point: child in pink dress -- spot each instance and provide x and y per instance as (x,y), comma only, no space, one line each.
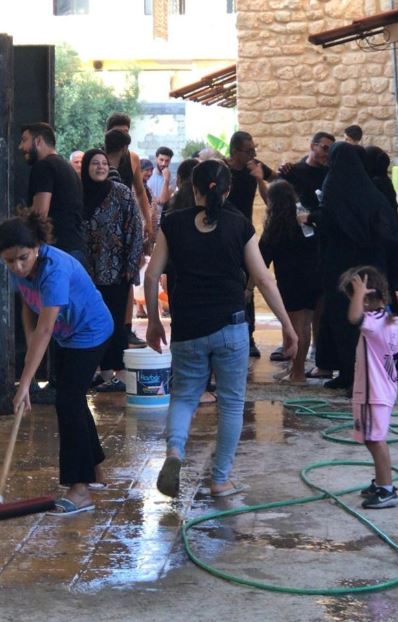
(375,379)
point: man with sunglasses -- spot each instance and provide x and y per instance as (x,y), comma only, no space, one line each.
(307,175)
(248,175)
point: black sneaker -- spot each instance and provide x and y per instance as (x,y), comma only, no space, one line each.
(134,341)
(381,499)
(254,352)
(113,386)
(168,482)
(370,490)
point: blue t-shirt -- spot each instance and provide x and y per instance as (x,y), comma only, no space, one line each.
(84,321)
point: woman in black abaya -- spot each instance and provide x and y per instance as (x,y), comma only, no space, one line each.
(357,224)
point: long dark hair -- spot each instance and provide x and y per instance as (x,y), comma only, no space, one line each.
(27,230)
(281,213)
(212,179)
(184,196)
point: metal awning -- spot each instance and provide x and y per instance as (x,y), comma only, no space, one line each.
(218,88)
(359,29)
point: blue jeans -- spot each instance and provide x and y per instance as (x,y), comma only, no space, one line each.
(226,353)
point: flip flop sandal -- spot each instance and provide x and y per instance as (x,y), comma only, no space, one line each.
(97,486)
(168,482)
(67,507)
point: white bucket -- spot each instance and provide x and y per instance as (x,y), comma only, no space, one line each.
(148,377)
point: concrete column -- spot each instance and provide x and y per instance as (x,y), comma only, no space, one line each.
(7,354)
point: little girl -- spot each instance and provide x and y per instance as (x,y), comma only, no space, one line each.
(375,378)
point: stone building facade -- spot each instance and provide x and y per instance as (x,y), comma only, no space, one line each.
(288,88)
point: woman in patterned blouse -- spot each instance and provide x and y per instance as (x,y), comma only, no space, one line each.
(114,242)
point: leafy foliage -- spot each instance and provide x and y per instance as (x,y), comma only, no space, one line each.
(191,147)
(219,143)
(83,102)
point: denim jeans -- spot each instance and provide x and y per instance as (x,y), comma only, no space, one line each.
(226,353)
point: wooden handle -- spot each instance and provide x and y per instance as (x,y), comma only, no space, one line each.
(10,448)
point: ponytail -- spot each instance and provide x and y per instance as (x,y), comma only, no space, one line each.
(213,179)
(27,230)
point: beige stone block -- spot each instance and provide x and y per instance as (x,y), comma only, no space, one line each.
(253,69)
(318,25)
(253,5)
(379,84)
(284,73)
(327,87)
(382,112)
(281,129)
(367,99)
(297,27)
(277,116)
(305,128)
(304,72)
(354,58)
(290,88)
(251,89)
(350,101)
(389,127)
(264,19)
(283,16)
(314,15)
(344,9)
(304,115)
(246,21)
(300,143)
(279,146)
(344,72)
(268,88)
(347,114)
(386,99)
(252,49)
(284,4)
(321,72)
(327,101)
(349,86)
(248,117)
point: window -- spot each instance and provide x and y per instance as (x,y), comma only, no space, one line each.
(71,7)
(147,7)
(177,7)
(231,6)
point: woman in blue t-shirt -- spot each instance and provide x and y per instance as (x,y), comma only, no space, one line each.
(208,244)
(59,299)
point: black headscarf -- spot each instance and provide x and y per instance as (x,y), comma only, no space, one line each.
(353,202)
(377,165)
(94,192)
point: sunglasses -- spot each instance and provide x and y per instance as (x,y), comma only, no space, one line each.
(324,148)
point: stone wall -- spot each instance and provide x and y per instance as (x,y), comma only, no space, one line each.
(288,88)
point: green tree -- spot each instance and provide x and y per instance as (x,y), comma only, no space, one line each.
(83,102)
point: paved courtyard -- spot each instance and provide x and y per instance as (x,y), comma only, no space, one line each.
(126,560)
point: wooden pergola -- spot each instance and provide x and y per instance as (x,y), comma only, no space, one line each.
(359,29)
(217,88)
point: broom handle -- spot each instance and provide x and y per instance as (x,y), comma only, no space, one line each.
(10,448)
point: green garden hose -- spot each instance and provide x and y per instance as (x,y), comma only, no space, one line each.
(307,407)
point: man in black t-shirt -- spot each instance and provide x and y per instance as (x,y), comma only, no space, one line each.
(248,174)
(54,187)
(307,175)
(54,191)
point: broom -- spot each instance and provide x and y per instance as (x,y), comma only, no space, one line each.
(19,508)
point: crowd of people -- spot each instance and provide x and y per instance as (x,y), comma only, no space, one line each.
(114,217)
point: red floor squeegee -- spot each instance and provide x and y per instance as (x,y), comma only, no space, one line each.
(26,506)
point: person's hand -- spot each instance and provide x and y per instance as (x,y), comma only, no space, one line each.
(285,168)
(290,342)
(360,286)
(22,397)
(302,217)
(166,174)
(256,169)
(155,335)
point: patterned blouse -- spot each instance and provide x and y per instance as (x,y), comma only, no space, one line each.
(114,238)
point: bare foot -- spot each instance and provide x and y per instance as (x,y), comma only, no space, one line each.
(79,495)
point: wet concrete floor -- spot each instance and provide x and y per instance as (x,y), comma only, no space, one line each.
(126,560)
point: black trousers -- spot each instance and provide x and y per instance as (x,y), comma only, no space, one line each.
(80,448)
(115,298)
